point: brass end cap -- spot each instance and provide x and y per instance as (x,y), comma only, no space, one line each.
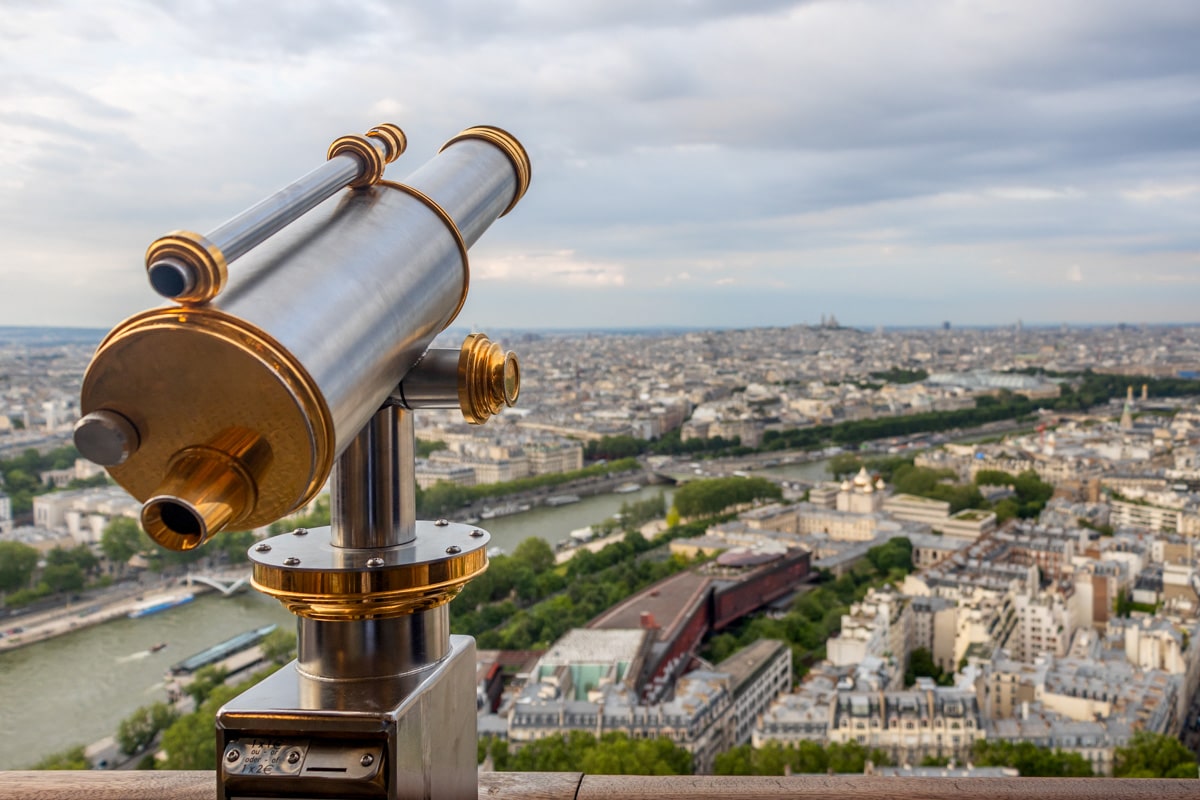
(511,148)
(185,267)
(106,437)
(393,137)
(488,378)
(379,147)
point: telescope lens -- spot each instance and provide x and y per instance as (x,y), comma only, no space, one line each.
(173,524)
(171,278)
(179,519)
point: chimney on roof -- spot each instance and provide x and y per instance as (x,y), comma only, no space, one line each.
(648,622)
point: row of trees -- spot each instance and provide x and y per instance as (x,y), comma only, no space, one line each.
(706,498)
(669,444)
(65,570)
(579,751)
(776,758)
(1079,391)
(68,570)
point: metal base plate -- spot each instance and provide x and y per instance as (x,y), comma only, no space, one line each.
(411,737)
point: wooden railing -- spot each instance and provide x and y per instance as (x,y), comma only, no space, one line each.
(151,785)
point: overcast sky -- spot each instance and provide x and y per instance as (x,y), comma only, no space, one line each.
(701,163)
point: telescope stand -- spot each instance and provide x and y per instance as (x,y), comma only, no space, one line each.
(380,702)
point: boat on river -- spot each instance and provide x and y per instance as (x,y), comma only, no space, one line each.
(627,488)
(160,603)
(562,500)
(222,650)
(581,535)
(504,510)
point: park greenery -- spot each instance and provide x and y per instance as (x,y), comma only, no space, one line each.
(22,476)
(1030,760)
(1154,755)
(776,758)
(900,375)
(428,448)
(1029,492)
(922,665)
(71,758)
(139,730)
(65,570)
(525,601)
(189,743)
(123,538)
(816,614)
(579,751)
(706,498)
(669,444)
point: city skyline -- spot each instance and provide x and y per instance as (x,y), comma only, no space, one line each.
(695,164)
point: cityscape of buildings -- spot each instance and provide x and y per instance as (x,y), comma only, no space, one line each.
(1023,616)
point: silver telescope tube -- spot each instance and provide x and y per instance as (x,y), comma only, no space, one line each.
(191,268)
(244,402)
(400,279)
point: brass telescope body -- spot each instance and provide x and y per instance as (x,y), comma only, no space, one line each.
(230,409)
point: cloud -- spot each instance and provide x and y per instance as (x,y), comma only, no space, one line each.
(1075,274)
(802,147)
(561,268)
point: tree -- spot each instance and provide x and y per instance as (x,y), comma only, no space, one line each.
(921,665)
(843,465)
(190,742)
(121,540)
(774,758)
(993,477)
(17,563)
(234,545)
(893,554)
(207,679)
(71,758)
(1154,755)
(714,495)
(138,731)
(279,646)
(1031,760)
(612,754)
(63,577)
(535,554)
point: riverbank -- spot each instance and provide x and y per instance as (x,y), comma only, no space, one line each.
(541,497)
(102,607)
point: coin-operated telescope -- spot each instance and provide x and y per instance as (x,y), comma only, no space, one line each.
(231,407)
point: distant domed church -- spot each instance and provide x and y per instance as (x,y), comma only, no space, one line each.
(861,496)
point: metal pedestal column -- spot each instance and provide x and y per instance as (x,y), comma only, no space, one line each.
(381,700)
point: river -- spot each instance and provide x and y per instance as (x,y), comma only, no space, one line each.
(76,689)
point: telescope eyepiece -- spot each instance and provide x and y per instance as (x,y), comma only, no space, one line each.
(207,488)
